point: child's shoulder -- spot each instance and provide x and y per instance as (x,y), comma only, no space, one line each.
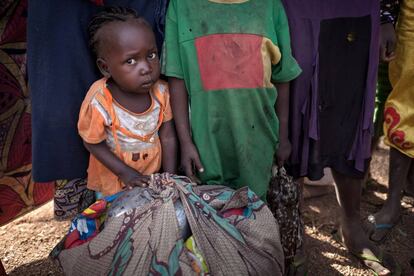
(161,92)
(95,90)
(161,87)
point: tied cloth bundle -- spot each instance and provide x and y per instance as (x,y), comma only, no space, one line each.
(232,232)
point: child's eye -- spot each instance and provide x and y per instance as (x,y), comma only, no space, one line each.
(131,61)
(152,55)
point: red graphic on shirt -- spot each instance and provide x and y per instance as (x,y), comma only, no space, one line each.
(229,61)
(397,137)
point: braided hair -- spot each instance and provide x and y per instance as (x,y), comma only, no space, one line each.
(108,15)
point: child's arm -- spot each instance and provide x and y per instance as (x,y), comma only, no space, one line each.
(179,104)
(169,147)
(388,40)
(128,175)
(282,111)
(389,10)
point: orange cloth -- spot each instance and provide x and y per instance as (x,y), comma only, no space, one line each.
(136,141)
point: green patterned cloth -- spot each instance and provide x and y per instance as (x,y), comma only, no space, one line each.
(235,233)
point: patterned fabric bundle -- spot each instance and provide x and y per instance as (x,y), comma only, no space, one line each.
(233,231)
(283,199)
(86,225)
(71,198)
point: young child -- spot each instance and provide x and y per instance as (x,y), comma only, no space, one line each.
(224,69)
(125,120)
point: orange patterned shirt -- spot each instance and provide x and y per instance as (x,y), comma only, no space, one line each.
(133,137)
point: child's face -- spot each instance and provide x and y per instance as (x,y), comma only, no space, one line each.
(128,55)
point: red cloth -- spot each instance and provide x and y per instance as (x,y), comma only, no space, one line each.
(18,192)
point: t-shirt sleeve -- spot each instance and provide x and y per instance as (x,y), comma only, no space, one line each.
(91,124)
(287,69)
(170,60)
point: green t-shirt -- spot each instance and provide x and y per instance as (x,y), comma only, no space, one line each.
(228,56)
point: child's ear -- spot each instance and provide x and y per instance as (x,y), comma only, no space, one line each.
(103,67)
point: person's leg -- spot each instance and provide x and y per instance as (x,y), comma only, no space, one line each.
(383,90)
(354,238)
(348,192)
(399,167)
(388,216)
(2,270)
(319,187)
(301,260)
(409,185)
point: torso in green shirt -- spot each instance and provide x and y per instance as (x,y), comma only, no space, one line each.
(228,56)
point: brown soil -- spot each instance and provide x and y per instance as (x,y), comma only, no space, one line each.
(26,242)
(327,257)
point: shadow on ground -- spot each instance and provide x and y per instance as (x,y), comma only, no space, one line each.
(39,268)
(327,257)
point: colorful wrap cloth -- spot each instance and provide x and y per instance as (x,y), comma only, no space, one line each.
(234,232)
(18,192)
(86,225)
(399,108)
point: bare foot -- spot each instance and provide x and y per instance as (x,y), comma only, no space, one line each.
(381,223)
(315,191)
(359,245)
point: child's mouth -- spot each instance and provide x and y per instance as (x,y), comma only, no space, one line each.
(147,83)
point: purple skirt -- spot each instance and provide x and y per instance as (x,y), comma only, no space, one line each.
(332,102)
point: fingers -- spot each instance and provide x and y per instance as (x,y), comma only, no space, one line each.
(390,57)
(383,53)
(387,51)
(191,164)
(142,182)
(195,180)
(187,167)
(388,42)
(390,47)
(197,163)
(282,157)
(280,160)
(283,154)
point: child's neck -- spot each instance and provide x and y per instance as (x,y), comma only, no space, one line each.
(136,103)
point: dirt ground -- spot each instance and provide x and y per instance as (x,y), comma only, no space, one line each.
(327,257)
(26,242)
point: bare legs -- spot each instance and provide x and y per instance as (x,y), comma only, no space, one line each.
(409,185)
(348,190)
(401,172)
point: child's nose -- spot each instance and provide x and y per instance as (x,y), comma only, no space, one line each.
(145,68)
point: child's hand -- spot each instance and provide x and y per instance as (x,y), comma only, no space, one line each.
(131,178)
(283,152)
(388,40)
(190,161)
